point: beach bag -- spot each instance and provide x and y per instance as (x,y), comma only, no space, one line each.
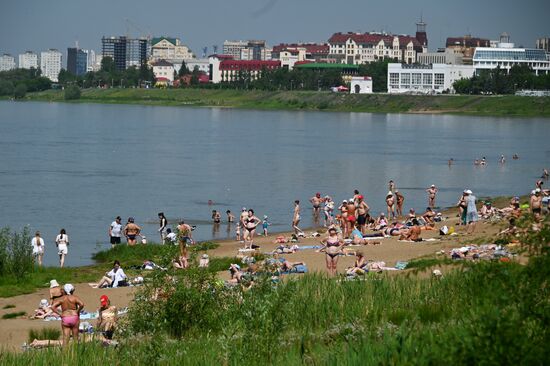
(444,230)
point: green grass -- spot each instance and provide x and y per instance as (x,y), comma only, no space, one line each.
(14,315)
(40,278)
(9,306)
(44,334)
(506,105)
(493,314)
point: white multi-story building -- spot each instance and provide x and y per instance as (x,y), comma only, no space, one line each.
(7,62)
(361,48)
(505,56)
(201,63)
(170,49)
(50,64)
(28,60)
(163,71)
(425,79)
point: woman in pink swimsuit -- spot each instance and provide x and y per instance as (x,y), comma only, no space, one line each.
(71,306)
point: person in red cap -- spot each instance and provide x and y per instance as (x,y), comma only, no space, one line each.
(107,318)
(316,202)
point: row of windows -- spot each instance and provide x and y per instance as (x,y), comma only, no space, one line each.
(417,79)
(537,55)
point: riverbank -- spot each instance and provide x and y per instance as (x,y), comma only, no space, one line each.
(390,251)
(506,105)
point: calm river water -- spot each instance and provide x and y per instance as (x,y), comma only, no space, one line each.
(77,166)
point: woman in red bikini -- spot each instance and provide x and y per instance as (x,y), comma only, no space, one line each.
(71,306)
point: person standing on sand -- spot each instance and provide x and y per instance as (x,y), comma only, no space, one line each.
(38,248)
(390,202)
(432,192)
(71,306)
(163,222)
(535,204)
(471,211)
(62,243)
(362,214)
(250,228)
(131,230)
(296,219)
(399,200)
(332,246)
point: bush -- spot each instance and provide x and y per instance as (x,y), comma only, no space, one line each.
(16,258)
(72,92)
(20,91)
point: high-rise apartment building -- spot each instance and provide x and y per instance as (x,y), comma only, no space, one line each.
(7,62)
(50,64)
(28,60)
(247,50)
(543,44)
(124,51)
(77,61)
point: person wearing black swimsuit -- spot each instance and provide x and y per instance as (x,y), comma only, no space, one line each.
(250,224)
(332,247)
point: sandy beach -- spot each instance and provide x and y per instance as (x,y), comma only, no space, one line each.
(390,250)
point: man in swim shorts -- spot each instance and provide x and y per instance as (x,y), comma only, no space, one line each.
(399,200)
(316,203)
(71,306)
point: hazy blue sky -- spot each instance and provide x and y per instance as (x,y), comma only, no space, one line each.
(42,24)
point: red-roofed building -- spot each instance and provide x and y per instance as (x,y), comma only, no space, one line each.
(226,70)
(290,54)
(361,48)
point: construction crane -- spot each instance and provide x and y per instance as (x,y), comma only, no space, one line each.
(142,34)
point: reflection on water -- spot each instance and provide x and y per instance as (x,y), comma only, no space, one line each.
(78,166)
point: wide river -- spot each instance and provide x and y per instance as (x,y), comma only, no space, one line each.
(77,166)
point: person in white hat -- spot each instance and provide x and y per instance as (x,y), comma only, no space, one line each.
(471,211)
(432,192)
(55,290)
(71,306)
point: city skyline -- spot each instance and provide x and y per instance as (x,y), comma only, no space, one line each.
(62,23)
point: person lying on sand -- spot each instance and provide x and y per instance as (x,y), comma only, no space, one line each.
(44,310)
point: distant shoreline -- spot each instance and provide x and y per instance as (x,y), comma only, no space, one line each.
(473,105)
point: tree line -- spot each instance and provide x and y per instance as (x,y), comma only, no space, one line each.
(498,81)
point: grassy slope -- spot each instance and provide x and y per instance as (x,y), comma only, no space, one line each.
(301,100)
